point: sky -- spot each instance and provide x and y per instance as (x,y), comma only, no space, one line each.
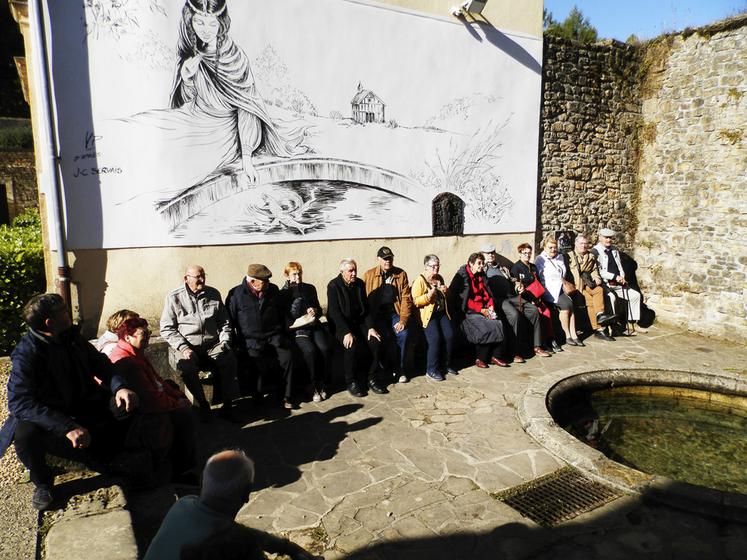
(615,19)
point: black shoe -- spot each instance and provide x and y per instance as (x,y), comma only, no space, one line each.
(571,342)
(555,346)
(377,388)
(355,390)
(42,497)
(579,342)
(604,320)
(603,335)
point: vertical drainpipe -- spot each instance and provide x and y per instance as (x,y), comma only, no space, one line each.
(55,215)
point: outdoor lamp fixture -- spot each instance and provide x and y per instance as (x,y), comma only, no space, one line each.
(468,7)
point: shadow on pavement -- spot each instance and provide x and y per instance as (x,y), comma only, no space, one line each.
(632,527)
(278,448)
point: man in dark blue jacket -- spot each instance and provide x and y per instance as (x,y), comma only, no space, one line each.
(56,403)
(257,315)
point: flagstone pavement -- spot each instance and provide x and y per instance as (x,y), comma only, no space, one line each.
(412,473)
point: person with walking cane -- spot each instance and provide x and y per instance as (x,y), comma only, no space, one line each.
(613,275)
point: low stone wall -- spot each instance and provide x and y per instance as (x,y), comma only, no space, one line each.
(18,174)
(691,242)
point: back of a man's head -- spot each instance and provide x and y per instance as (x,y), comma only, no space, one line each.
(42,307)
(227,480)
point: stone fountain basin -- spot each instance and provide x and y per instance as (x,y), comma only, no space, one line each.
(536,419)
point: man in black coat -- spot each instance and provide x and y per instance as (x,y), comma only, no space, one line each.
(56,403)
(351,323)
(257,315)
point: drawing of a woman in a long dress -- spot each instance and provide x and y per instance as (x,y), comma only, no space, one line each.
(217,122)
(213,75)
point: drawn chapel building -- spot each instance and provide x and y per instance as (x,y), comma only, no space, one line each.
(367,106)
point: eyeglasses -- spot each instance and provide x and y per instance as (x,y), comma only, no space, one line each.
(433,265)
(525,253)
(196,277)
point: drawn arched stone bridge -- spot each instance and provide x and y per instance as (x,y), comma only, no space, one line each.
(198,198)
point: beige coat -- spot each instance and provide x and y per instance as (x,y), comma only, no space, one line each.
(584,263)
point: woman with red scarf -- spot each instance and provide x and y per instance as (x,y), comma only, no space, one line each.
(164,424)
(480,323)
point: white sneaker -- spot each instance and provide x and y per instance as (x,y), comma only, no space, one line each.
(317,397)
(403,379)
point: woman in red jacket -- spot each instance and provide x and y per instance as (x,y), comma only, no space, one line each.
(164,424)
(473,300)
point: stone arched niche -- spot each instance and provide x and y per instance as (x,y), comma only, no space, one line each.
(447,210)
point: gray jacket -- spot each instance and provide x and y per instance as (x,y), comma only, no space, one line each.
(194,320)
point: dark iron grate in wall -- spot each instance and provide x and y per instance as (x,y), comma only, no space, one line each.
(557,497)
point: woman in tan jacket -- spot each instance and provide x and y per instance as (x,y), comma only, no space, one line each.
(429,295)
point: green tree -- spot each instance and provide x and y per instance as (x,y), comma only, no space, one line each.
(575,26)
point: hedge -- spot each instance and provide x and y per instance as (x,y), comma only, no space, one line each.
(21,274)
(16,137)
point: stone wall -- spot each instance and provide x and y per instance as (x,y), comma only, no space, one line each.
(588,154)
(18,174)
(691,241)
(650,140)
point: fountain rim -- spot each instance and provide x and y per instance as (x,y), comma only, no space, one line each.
(537,421)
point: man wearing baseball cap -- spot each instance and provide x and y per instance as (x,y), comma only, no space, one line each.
(258,319)
(388,292)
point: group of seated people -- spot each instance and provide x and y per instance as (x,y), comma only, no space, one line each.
(64,394)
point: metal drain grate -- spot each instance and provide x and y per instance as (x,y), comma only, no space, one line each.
(557,497)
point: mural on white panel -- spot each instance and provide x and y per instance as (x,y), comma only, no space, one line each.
(204,122)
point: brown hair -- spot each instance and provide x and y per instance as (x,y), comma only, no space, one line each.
(119,317)
(293,265)
(474,257)
(523,246)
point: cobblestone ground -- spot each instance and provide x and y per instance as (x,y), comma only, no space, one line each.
(412,473)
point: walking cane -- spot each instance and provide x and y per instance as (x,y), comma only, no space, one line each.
(630,326)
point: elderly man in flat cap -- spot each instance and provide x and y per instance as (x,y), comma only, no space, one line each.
(257,316)
(195,324)
(613,275)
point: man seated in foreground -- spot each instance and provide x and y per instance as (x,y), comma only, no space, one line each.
(56,406)
(226,484)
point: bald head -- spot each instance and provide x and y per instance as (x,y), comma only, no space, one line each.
(227,480)
(194,277)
